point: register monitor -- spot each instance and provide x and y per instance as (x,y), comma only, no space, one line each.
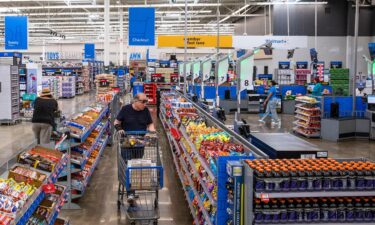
(371,102)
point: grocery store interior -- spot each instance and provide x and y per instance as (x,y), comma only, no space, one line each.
(180,112)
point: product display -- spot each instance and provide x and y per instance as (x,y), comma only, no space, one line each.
(199,151)
(303,76)
(307,117)
(340,82)
(9,94)
(311,191)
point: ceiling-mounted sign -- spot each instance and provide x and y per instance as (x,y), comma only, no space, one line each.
(246,73)
(141,26)
(336,64)
(16,33)
(89,51)
(278,42)
(302,65)
(284,65)
(135,56)
(194,41)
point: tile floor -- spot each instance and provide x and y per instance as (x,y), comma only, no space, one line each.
(99,204)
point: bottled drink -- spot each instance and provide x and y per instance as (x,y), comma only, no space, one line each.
(326,180)
(369,179)
(283,211)
(293,179)
(259,180)
(373,208)
(267,214)
(332,211)
(317,182)
(324,210)
(360,179)
(291,209)
(368,216)
(299,210)
(358,210)
(277,181)
(316,210)
(310,176)
(270,184)
(351,178)
(258,212)
(309,211)
(302,179)
(350,215)
(285,183)
(336,183)
(275,211)
(341,212)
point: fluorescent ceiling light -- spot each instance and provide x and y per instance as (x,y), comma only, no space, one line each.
(234,13)
(172,15)
(8,10)
(292,3)
(114,6)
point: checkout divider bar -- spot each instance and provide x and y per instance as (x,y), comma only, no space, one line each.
(256,151)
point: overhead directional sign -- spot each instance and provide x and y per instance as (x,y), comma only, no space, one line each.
(142,26)
(16,33)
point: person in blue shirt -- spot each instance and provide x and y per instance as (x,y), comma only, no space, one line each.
(271,104)
(132,80)
(318,89)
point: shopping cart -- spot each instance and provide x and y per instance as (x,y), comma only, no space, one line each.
(140,176)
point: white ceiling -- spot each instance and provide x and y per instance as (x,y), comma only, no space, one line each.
(83,19)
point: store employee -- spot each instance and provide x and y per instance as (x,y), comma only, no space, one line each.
(135,116)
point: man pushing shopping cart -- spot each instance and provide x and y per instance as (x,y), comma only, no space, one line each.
(139,164)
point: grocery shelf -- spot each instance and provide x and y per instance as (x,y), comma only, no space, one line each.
(295,129)
(51,220)
(185,168)
(88,152)
(307,109)
(200,180)
(315,194)
(305,114)
(306,127)
(93,126)
(307,102)
(192,211)
(88,178)
(201,159)
(307,120)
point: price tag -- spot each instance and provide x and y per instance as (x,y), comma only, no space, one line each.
(308,156)
(103,83)
(264,198)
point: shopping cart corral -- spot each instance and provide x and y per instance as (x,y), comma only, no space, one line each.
(140,174)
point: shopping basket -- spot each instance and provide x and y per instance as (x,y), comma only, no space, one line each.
(140,174)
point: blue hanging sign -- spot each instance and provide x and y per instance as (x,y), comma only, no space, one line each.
(16,33)
(89,51)
(135,56)
(141,26)
(302,65)
(10,54)
(336,64)
(284,65)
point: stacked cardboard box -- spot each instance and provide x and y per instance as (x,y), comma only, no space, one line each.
(340,82)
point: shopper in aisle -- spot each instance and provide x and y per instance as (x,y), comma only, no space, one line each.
(318,89)
(43,119)
(135,116)
(271,103)
(132,80)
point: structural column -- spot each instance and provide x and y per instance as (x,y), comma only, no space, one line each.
(107,29)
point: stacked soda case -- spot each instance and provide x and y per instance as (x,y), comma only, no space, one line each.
(315,210)
(340,81)
(296,175)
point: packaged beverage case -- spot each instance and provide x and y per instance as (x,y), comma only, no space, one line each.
(359,213)
(341,210)
(350,215)
(332,210)
(368,216)
(324,210)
